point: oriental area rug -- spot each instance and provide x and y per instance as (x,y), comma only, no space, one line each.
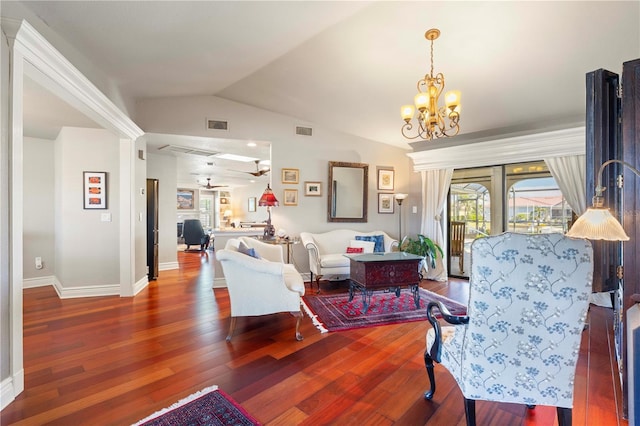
(208,407)
(334,312)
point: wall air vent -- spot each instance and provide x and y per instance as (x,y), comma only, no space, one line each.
(217,125)
(304,131)
(187,150)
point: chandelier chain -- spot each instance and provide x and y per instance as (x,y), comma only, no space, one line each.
(431,58)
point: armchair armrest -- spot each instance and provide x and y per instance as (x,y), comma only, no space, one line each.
(314,251)
(448,317)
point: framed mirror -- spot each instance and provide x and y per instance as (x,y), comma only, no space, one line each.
(347,194)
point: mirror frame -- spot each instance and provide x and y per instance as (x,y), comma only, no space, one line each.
(365,190)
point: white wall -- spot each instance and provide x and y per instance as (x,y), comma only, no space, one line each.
(87,253)
(38,213)
(163,168)
(187,115)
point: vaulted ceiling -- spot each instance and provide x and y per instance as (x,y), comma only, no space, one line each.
(351,65)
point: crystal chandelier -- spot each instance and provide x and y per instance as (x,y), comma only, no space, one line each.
(431,117)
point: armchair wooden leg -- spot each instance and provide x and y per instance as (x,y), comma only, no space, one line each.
(428,362)
(470,411)
(299,316)
(318,282)
(564,416)
(232,326)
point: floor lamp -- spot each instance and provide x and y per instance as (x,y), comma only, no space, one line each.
(399,199)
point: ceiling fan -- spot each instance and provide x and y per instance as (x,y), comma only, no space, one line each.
(259,172)
(209,186)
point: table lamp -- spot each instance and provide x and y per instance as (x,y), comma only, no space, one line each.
(227,216)
(597,223)
(268,200)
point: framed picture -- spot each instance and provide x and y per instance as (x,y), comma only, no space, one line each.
(95,190)
(385,203)
(186,199)
(290,175)
(290,197)
(252,204)
(313,189)
(385,179)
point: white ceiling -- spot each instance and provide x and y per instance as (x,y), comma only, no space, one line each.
(351,65)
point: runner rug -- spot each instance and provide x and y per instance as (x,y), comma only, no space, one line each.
(210,407)
(334,312)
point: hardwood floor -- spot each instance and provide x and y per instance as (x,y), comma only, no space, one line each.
(113,361)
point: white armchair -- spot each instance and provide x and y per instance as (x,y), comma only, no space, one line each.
(260,286)
(519,342)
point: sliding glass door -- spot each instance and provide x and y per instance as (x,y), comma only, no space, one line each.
(483,201)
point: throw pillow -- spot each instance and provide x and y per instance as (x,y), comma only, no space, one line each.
(367,246)
(377,239)
(244,249)
(355,249)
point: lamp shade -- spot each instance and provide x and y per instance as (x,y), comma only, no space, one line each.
(598,223)
(268,199)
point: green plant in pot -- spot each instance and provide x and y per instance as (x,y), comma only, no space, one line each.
(422,246)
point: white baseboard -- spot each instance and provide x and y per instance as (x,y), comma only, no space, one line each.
(10,388)
(167,266)
(38,282)
(86,291)
(140,285)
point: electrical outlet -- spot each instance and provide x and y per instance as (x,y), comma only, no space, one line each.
(38,263)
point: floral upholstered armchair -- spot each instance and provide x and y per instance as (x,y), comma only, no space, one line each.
(519,342)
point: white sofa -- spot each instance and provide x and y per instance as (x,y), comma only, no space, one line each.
(260,286)
(327,250)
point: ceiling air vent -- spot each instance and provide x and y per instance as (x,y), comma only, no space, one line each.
(188,150)
(217,125)
(304,131)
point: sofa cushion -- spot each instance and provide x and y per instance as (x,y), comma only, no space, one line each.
(244,249)
(367,246)
(377,239)
(335,260)
(355,249)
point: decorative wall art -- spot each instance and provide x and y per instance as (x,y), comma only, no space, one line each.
(290,197)
(290,175)
(186,199)
(385,203)
(313,189)
(385,179)
(95,190)
(252,204)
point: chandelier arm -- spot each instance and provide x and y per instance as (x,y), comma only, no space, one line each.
(406,128)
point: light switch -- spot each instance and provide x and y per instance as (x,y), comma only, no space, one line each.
(105,217)
(415,209)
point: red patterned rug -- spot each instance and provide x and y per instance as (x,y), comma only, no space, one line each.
(334,312)
(209,407)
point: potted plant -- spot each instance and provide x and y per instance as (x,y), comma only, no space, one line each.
(422,246)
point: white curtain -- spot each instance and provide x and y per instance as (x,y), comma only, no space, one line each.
(570,174)
(435,187)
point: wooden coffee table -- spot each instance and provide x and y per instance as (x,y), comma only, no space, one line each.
(388,271)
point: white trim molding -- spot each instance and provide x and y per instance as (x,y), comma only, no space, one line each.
(532,147)
(10,388)
(38,282)
(168,266)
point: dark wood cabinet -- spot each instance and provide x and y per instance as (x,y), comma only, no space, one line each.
(613,132)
